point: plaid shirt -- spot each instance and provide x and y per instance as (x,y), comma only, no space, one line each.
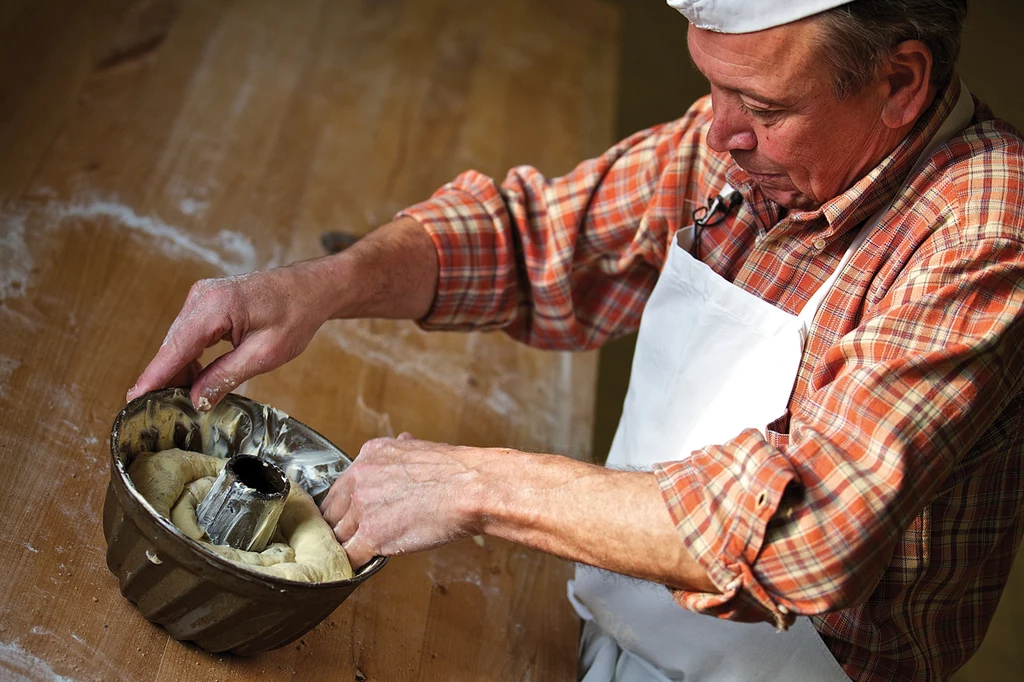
(887,502)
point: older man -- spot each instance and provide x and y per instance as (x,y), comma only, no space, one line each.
(823,427)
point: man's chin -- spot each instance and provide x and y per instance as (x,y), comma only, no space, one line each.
(790,199)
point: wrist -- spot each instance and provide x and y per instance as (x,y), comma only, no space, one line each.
(523,495)
(478,496)
(390,273)
(315,286)
(338,289)
(496,476)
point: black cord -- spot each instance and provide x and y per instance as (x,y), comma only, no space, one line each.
(712,214)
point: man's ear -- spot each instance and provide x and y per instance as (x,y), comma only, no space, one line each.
(908,73)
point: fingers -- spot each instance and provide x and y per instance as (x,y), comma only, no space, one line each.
(337,501)
(335,509)
(359,551)
(226,373)
(405,435)
(199,325)
(187,376)
(182,379)
(346,529)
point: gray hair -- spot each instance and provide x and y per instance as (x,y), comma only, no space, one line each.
(859,35)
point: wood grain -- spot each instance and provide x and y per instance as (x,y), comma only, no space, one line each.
(149,144)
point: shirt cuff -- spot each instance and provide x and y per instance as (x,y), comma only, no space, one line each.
(476,277)
(721,499)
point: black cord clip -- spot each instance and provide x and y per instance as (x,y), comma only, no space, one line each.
(713,214)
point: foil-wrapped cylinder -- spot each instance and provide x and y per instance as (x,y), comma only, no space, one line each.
(243,506)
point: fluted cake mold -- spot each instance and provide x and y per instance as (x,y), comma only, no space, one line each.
(177,582)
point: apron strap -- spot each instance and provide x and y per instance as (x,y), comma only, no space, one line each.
(810,308)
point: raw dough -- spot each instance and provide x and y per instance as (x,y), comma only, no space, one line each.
(174,482)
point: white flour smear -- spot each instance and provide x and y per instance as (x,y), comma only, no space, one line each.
(231,253)
(191,207)
(7,367)
(547,413)
(380,422)
(23,665)
(15,258)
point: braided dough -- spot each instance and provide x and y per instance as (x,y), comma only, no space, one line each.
(304,548)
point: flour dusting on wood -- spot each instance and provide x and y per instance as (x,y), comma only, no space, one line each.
(544,406)
(15,258)
(7,368)
(193,207)
(25,228)
(230,252)
(24,665)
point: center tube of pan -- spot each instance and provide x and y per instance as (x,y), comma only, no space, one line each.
(243,506)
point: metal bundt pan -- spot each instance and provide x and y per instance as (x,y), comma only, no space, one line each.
(176,582)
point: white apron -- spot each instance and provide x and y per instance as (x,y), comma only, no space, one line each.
(711,360)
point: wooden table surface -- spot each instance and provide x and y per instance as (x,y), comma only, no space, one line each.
(147,144)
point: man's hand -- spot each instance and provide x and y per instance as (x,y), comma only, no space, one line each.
(401,496)
(269,317)
(404,495)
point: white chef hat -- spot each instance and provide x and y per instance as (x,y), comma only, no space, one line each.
(747,16)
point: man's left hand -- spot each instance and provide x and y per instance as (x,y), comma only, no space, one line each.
(402,496)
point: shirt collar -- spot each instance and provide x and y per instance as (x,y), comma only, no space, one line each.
(872,191)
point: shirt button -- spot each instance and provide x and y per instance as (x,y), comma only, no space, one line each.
(820,244)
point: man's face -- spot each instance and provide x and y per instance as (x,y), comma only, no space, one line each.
(776,114)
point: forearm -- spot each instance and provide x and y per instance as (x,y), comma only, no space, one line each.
(390,273)
(559,263)
(611,519)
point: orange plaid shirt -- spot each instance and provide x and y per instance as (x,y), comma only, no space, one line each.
(894,483)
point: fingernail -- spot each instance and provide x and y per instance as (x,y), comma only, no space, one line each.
(206,400)
(130,395)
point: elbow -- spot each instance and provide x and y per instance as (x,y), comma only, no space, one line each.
(845,577)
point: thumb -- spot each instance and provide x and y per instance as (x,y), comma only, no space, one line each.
(405,435)
(188,375)
(358,550)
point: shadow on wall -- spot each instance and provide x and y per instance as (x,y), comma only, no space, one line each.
(658,83)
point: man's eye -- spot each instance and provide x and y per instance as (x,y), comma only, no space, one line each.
(763,115)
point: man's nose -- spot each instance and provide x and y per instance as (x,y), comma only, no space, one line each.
(729,130)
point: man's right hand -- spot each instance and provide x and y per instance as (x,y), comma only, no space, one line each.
(269,317)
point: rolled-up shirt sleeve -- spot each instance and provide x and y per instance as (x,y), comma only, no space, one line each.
(722,500)
(564,263)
